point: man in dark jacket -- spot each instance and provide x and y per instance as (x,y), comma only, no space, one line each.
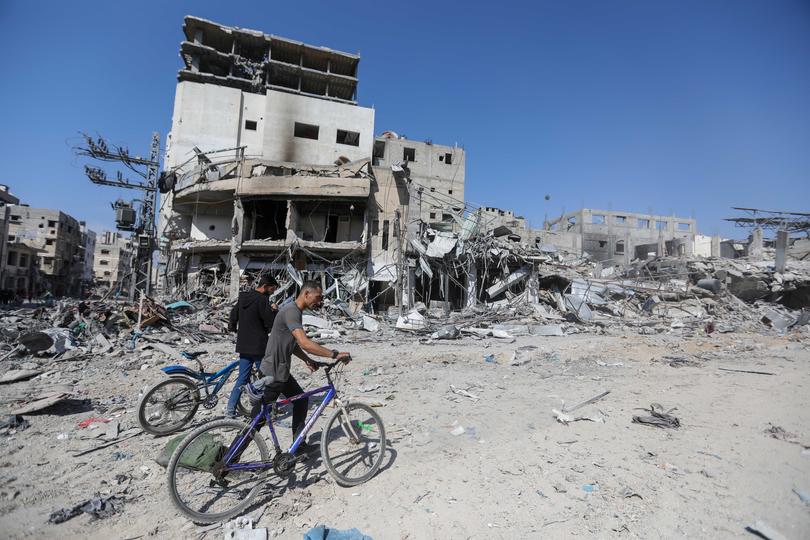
(252,319)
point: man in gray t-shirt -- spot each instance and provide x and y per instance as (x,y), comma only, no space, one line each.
(287,338)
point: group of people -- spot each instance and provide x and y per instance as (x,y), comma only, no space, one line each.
(267,337)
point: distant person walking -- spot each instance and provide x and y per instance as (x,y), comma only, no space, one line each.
(252,319)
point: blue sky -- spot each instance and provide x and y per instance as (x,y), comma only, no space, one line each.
(685,107)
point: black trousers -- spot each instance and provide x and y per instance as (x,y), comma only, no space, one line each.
(289,389)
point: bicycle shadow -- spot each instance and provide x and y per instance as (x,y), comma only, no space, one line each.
(308,473)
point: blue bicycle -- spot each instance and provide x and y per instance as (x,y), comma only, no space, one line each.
(172,403)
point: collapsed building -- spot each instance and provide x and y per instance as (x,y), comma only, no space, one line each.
(273,167)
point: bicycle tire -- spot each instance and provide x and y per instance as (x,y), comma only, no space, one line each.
(172,468)
(189,386)
(327,458)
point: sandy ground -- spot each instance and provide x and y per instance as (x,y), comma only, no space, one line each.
(515,472)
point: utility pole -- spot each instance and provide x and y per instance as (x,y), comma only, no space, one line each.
(144,232)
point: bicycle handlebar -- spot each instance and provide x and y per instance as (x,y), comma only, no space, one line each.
(328,366)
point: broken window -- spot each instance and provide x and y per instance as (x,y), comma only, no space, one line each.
(385,235)
(409,154)
(332,221)
(379,150)
(12,258)
(108,273)
(620,247)
(602,243)
(23,260)
(448,159)
(432,215)
(105,251)
(375,227)
(683,227)
(643,223)
(49,242)
(252,125)
(352,138)
(661,225)
(265,219)
(449,191)
(104,262)
(306,131)
(16,218)
(620,219)
(598,219)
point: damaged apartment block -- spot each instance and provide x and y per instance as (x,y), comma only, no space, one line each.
(274,168)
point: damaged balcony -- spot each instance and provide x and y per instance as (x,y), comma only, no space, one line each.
(215,182)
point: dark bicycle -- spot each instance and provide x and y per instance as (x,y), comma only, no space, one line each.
(218,469)
(170,404)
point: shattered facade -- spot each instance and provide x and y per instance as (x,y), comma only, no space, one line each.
(112,260)
(6,200)
(278,170)
(57,238)
(88,253)
(621,237)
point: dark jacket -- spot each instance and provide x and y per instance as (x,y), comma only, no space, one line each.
(252,319)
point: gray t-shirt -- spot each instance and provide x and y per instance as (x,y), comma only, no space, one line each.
(281,343)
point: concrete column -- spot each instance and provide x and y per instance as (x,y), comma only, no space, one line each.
(715,246)
(446,279)
(236,243)
(472,277)
(781,250)
(755,245)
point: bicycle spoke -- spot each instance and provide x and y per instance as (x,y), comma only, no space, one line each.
(354,444)
(196,486)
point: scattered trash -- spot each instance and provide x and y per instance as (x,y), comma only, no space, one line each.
(590,488)
(627,493)
(458,430)
(93,420)
(463,393)
(658,417)
(241,528)
(14,422)
(447,332)
(99,507)
(746,371)
(321,532)
(490,359)
(803,495)
(765,531)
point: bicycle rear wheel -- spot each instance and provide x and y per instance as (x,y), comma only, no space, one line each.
(353,444)
(168,405)
(197,485)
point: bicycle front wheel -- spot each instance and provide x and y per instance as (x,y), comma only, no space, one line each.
(198,484)
(353,444)
(168,405)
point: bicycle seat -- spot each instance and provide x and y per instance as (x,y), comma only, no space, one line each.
(192,355)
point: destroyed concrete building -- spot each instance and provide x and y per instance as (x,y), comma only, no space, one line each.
(276,169)
(87,253)
(621,237)
(21,270)
(57,238)
(6,200)
(112,260)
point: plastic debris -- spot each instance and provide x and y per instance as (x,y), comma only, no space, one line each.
(658,417)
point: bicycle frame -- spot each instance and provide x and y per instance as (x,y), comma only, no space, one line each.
(266,414)
(217,379)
